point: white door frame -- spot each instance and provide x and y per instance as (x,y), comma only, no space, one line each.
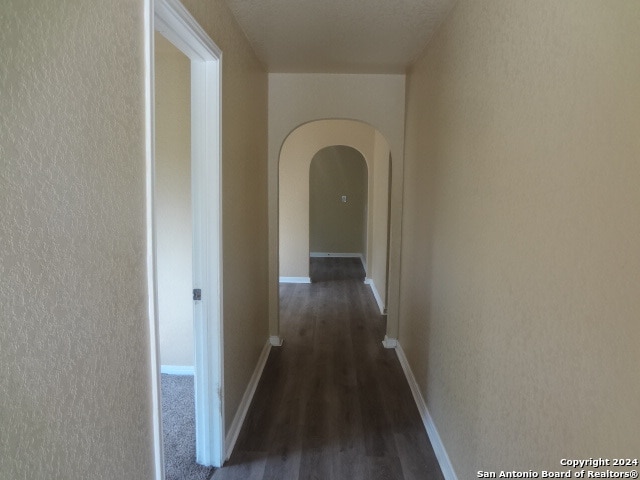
(173,20)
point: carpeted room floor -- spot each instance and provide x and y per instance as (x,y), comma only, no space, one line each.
(178,423)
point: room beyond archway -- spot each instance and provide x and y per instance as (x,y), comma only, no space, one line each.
(338,203)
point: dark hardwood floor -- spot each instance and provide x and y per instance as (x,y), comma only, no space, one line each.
(332,402)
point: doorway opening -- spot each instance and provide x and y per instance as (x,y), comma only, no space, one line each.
(174,250)
(179,28)
(173,210)
(294,244)
(338,193)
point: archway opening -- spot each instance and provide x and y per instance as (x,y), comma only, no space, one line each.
(338,205)
(295,159)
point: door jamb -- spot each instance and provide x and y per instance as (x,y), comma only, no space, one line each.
(174,21)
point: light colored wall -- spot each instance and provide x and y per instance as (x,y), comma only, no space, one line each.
(336,226)
(74,349)
(244,198)
(520,305)
(377,264)
(173,203)
(295,99)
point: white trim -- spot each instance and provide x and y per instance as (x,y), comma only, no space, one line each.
(295,280)
(276,341)
(178,369)
(243,408)
(206,187)
(152,290)
(175,22)
(389,342)
(376,295)
(432,431)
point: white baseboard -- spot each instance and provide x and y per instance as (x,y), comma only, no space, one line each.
(276,340)
(432,431)
(177,369)
(389,342)
(243,408)
(295,280)
(370,282)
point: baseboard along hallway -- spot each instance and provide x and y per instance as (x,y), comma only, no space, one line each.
(332,402)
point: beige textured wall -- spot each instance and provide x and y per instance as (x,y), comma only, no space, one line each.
(295,99)
(244,198)
(377,264)
(74,353)
(336,226)
(520,300)
(173,203)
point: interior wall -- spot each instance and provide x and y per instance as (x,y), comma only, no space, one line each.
(244,199)
(336,226)
(74,340)
(520,305)
(173,203)
(379,225)
(295,99)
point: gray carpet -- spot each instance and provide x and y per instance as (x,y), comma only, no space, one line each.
(178,423)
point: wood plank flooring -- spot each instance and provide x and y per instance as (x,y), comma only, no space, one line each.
(332,403)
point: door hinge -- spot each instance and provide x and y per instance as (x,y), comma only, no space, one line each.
(197,294)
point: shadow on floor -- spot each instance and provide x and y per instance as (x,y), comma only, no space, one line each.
(333,269)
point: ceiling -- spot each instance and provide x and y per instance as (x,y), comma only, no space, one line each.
(339,36)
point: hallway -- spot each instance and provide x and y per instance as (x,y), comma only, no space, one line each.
(332,402)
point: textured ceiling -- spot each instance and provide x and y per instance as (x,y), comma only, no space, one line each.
(339,36)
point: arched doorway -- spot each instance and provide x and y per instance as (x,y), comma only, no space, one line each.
(338,188)
(296,155)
